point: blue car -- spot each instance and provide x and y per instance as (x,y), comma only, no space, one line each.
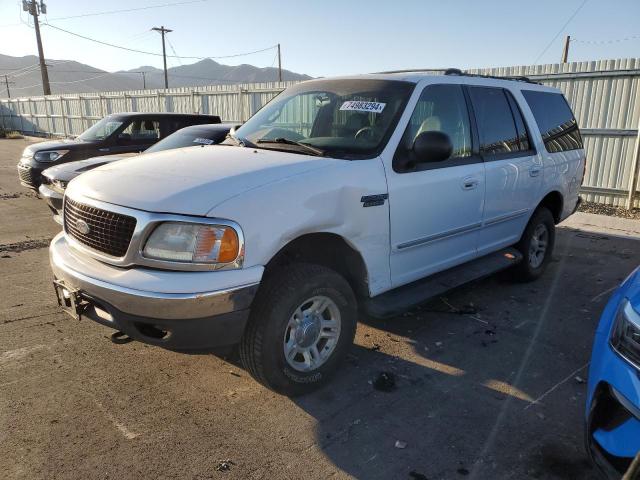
(613,401)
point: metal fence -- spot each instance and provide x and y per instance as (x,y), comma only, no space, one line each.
(605,97)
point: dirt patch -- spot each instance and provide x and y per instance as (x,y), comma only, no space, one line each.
(610,210)
(7,196)
(25,245)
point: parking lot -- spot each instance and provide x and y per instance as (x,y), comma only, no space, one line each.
(489,380)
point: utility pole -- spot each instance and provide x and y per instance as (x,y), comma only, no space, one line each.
(565,51)
(279,65)
(7,82)
(35,9)
(162,31)
(144,80)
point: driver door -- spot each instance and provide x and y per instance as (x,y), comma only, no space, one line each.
(435,208)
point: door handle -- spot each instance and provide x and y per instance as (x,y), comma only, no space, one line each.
(470,183)
(534,171)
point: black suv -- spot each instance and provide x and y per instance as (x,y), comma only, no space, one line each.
(117,133)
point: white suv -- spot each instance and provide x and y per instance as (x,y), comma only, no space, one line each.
(374,192)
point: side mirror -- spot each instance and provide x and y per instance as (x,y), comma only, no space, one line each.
(431,147)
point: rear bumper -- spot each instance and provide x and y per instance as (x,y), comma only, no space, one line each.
(162,308)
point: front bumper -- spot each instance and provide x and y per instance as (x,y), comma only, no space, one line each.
(613,403)
(174,309)
(29,176)
(53,200)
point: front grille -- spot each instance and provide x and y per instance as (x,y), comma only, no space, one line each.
(26,176)
(109,232)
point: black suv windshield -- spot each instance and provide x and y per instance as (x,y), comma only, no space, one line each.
(101,130)
(339,118)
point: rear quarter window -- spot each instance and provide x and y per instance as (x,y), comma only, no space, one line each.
(555,120)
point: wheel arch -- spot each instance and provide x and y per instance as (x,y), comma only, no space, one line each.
(554,202)
(327,249)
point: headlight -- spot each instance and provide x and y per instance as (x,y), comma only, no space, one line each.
(49,155)
(625,335)
(193,242)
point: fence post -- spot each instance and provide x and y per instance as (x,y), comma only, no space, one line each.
(633,174)
(48,113)
(64,120)
(20,115)
(158,97)
(31,115)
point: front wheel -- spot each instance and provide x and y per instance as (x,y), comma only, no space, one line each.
(536,246)
(302,325)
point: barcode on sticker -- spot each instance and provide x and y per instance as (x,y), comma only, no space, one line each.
(203,141)
(359,106)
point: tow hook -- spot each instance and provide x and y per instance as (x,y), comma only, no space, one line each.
(120,338)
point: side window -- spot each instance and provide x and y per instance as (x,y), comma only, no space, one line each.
(143,130)
(170,125)
(440,108)
(523,133)
(555,120)
(496,125)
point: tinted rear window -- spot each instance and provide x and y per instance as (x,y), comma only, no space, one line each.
(555,120)
(498,133)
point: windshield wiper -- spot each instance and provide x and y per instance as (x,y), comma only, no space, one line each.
(241,142)
(313,150)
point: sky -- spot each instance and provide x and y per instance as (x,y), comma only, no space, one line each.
(331,37)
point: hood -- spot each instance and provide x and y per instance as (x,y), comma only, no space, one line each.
(68,171)
(64,144)
(192,180)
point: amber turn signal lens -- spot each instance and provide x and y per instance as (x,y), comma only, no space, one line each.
(228,246)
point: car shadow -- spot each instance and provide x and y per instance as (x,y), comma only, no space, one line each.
(489,380)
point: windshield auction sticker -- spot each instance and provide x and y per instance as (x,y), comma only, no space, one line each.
(358,106)
(203,141)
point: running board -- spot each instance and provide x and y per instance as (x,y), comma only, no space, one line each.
(397,301)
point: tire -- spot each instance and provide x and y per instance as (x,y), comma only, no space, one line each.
(287,319)
(536,246)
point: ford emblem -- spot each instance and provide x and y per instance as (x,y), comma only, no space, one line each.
(83,227)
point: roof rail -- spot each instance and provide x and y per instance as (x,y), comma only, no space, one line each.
(457,71)
(412,70)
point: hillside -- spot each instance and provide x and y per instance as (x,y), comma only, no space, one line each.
(67,76)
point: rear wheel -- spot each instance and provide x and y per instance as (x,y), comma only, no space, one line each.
(536,246)
(302,325)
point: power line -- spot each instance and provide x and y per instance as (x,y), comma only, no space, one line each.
(158,54)
(604,42)
(174,51)
(149,7)
(577,10)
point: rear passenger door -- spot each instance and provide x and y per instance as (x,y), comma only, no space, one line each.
(513,169)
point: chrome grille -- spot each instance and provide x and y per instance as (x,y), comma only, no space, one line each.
(108,232)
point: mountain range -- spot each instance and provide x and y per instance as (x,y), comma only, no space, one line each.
(68,76)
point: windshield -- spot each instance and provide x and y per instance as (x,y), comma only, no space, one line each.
(339,118)
(101,130)
(189,138)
